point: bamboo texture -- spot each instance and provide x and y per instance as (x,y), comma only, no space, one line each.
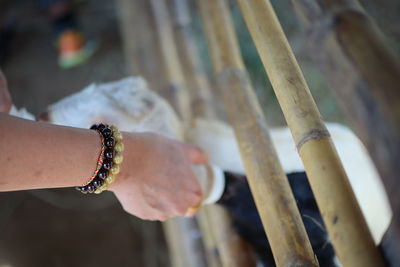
(210,244)
(232,250)
(172,66)
(268,182)
(363,73)
(194,71)
(215,222)
(185,250)
(199,88)
(140,42)
(346,226)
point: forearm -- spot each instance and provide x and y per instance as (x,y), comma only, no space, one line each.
(155,181)
(40,155)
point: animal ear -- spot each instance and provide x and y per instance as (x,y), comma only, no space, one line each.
(5,97)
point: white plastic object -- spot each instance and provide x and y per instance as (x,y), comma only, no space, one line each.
(212,182)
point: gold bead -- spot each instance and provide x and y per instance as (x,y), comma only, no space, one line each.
(115,169)
(101,189)
(117,136)
(110,179)
(98,191)
(118,158)
(114,128)
(119,147)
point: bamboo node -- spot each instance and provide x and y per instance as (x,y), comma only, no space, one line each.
(312,135)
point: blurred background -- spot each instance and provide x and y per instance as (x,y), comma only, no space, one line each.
(62,227)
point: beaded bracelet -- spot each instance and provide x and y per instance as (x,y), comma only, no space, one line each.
(109,160)
(100,161)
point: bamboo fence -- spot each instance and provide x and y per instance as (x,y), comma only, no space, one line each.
(346,226)
(268,182)
(140,43)
(363,73)
(225,240)
(184,250)
(215,222)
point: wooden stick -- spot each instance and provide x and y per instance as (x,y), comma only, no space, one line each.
(268,182)
(199,88)
(210,244)
(363,73)
(172,65)
(184,242)
(140,43)
(185,250)
(194,71)
(232,249)
(342,216)
(215,221)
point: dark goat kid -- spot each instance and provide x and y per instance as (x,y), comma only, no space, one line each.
(238,200)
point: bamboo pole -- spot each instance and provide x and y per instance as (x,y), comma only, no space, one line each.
(363,73)
(210,244)
(142,58)
(169,53)
(194,71)
(184,242)
(140,42)
(184,249)
(342,216)
(215,221)
(268,183)
(199,88)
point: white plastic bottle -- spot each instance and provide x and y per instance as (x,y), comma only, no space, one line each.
(212,182)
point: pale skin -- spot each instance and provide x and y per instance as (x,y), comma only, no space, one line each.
(155,182)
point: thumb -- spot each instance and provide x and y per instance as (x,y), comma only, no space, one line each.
(195,154)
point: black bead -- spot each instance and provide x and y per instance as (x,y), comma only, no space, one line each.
(109,154)
(109,142)
(102,174)
(107,132)
(97,183)
(80,188)
(84,189)
(90,188)
(107,164)
(101,126)
(94,127)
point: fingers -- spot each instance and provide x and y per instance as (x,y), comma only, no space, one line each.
(192,211)
(194,207)
(195,154)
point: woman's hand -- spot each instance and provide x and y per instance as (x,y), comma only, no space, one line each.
(156,181)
